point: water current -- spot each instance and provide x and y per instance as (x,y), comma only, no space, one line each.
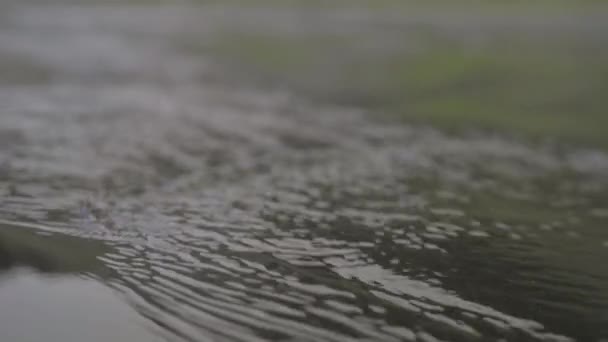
(149,193)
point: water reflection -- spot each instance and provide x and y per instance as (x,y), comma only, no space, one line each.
(38,247)
(39,307)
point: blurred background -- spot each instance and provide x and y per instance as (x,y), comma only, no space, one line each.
(533,69)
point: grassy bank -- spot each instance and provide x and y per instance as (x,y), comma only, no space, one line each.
(543,80)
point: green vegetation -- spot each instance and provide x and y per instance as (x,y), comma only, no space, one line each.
(547,85)
(529,92)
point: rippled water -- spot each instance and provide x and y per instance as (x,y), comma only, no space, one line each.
(225,212)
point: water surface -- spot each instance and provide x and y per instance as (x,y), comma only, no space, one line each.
(148,189)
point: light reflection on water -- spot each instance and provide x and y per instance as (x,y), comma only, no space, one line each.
(225,213)
(40,308)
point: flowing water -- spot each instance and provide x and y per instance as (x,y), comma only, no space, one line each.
(154,197)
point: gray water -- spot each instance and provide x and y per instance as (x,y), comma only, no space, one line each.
(144,189)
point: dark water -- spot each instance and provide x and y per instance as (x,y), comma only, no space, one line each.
(154,198)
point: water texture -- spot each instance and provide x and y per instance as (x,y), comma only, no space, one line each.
(218,211)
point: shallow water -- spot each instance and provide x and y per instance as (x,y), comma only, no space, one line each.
(41,307)
(200,209)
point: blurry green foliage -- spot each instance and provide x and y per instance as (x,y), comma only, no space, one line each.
(518,85)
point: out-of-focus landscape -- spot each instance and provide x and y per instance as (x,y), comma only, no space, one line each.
(535,70)
(265,170)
